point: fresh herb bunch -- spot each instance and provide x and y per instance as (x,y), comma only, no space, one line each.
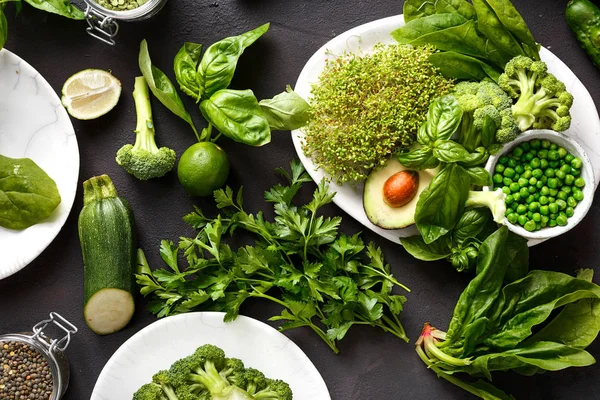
(366,107)
(497,319)
(323,279)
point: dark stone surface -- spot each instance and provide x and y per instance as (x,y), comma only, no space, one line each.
(371,365)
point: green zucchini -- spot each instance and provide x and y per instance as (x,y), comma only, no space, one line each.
(107,237)
(583,18)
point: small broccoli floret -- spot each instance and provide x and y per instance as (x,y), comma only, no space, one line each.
(542,100)
(478,100)
(274,389)
(494,200)
(150,391)
(144,159)
(255,380)
(161,388)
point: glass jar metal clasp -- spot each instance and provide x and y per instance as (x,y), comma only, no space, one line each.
(54,344)
(101,27)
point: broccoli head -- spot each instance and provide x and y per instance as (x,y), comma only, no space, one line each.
(478,100)
(144,159)
(161,388)
(274,389)
(542,100)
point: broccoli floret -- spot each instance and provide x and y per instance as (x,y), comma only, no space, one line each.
(542,100)
(150,391)
(274,389)
(478,100)
(161,388)
(255,380)
(494,200)
(144,159)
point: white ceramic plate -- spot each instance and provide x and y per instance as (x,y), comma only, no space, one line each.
(158,345)
(585,126)
(34,124)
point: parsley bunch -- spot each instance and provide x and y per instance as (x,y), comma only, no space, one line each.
(323,279)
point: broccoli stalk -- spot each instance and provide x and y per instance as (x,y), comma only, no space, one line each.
(542,100)
(144,159)
(494,200)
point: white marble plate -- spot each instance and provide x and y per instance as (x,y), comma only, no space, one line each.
(165,341)
(34,124)
(585,125)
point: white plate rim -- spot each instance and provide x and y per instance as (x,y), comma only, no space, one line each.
(46,231)
(216,321)
(351,40)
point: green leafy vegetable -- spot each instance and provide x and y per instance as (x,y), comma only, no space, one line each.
(323,279)
(27,194)
(185,64)
(3,27)
(286,111)
(60,7)
(237,115)
(491,328)
(418,8)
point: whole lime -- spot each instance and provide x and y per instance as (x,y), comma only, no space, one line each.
(203,168)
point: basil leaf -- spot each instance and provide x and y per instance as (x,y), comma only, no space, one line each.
(184,65)
(414,9)
(441,204)
(422,137)
(162,87)
(462,67)
(218,64)
(416,247)
(478,157)
(3,28)
(470,224)
(286,111)
(419,159)
(60,7)
(443,118)
(479,176)
(237,115)
(449,151)
(27,194)
(489,24)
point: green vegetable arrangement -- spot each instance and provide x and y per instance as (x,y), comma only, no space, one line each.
(236,114)
(475,40)
(60,7)
(208,374)
(497,319)
(366,107)
(323,279)
(27,194)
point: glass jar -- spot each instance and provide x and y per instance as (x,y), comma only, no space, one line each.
(103,22)
(51,349)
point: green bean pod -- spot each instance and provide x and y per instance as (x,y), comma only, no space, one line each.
(583,18)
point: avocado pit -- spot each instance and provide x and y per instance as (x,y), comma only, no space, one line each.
(400,188)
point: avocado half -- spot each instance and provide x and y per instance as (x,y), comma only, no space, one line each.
(377,210)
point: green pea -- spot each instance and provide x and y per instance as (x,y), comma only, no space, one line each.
(519,169)
(552,183)
(522,220)
(506,181)
(531,189)
(549,173)
(569,211)
(576,163)
(521,209)
(561,220)
(512,218)
(546,144)
(575,172)
(537,217)
(517,152)
(560,174)
(561,204)
(529,226)
(571,202)
(562,195)
(544,191)
(542,154)
(530,199)
(511,163)
(543,200)
(514,187)
(553,192)
(526,146)
(553,146)
(545,220)
(578,195)
(553,155)
(537,173)
(509,199)
(562,152)
(534,206)
(543,163)
(539,185)
(528,157)
(554,164)
(552,223)
(569,179)
(579,182)
(553,207)
(503,160)
(527,167)
(544,210)
(544,179)
(497,178)
(533,180)
(506,190)
(553,216)
(527,174)
(516,196)
(509,172)
(535,143)
(535,162)
(529,214)
(566,169)
(524,192)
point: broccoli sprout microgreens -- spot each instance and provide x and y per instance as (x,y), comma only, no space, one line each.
(367,107)
(323,279)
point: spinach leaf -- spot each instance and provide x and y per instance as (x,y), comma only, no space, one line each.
(416,247)
(3,27)
(27,194)
(237,115)
(419,159)
(60,7)
(414,9)
(470,224)
(479,176)
(443,118)
(440,205)
(162,87)
(286,111)
(218,63)
(488,131)
(518,254)
(185,64)
(513,21)
(489,24)
(429,24)
(462,67)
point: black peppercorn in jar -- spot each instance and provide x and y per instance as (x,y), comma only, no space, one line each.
(33,365)
(102,15)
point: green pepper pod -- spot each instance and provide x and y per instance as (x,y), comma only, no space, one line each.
(583,18)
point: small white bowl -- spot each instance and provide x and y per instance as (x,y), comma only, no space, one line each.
(587,173)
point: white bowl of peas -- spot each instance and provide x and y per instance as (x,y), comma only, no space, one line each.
(548,180)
